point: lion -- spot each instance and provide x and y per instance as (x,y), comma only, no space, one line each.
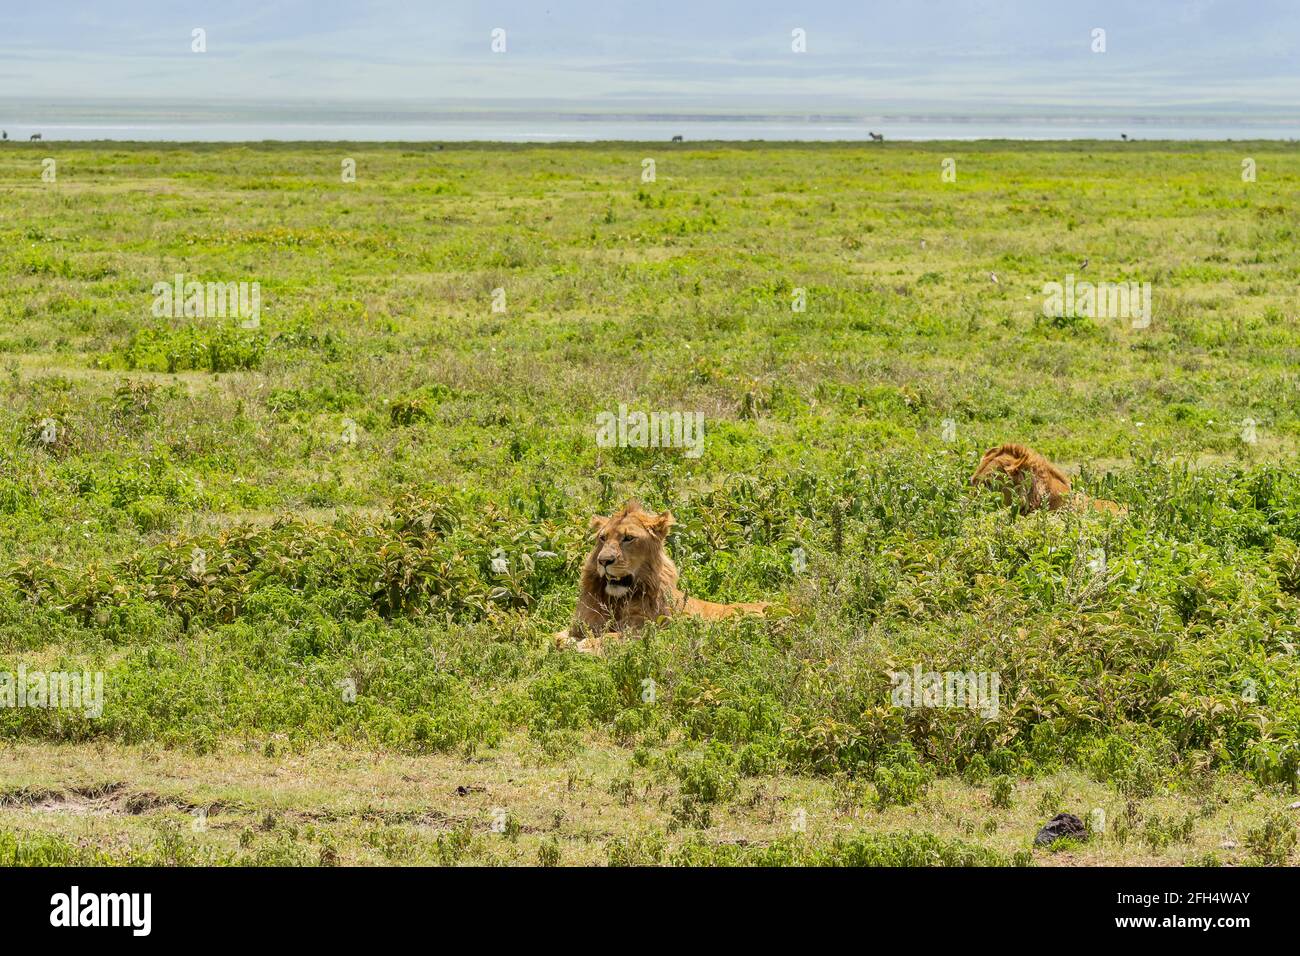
(1022,473)
(629,580)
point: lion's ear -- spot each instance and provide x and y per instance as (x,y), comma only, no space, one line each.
(660,523)
(596,523)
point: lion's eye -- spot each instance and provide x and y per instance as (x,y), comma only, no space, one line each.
(627,538)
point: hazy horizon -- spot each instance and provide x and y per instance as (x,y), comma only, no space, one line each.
(1176,64)
(950,55)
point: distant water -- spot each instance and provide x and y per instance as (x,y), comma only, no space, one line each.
(552,129)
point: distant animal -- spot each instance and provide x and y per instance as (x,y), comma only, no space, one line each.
(878,137)
(678,138)
(628,580)
(993,277)
(35,137)
(922,243)
(1124,137)
(1084,266)
(1028,480)
(4,134)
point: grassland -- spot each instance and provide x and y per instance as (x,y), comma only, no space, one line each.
(344,678)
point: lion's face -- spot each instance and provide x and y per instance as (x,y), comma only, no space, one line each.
(628,547)
(1006,470)
(998,468)
(1022,474)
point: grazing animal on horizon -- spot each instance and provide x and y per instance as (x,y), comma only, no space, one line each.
(678,138)
(35,137)
(628,581)
(1124,137)
(878,137)
(1029,480)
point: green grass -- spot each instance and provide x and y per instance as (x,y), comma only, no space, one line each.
(349,469)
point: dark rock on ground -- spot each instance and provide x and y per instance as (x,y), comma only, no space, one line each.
(1061,825)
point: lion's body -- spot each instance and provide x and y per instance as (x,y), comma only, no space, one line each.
(1098,504)
(712,612)
(1031,482)
(628,581)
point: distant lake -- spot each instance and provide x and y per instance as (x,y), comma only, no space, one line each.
(549,128)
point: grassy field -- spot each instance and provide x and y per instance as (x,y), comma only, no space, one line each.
(281,541)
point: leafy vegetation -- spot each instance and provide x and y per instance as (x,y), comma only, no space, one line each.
(276,539)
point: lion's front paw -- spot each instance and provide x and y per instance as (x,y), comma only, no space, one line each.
(591,645)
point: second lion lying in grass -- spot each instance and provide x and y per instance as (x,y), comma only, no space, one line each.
(1033,482)
(629,580)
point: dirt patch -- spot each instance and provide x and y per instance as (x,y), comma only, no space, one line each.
(107,799)
(25,796)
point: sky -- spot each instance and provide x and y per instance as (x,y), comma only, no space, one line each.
(935,56)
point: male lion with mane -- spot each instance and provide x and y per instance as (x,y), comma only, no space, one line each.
(628,580)
(1022,473)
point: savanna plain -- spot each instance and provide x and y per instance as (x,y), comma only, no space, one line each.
(319,558)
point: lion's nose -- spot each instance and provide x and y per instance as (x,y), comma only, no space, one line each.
(604,561)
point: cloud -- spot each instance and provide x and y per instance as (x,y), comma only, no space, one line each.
(950,54)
